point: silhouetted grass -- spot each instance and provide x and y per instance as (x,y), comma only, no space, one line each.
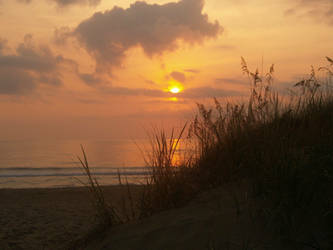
(106,214)
(282,147)
(168,184)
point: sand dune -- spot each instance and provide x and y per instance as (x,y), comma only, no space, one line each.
(55,218)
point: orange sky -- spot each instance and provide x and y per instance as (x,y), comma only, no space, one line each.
(85,68)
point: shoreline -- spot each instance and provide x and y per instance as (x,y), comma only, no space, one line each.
(70,187)
(65,181)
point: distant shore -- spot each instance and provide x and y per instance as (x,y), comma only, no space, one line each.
(48,218)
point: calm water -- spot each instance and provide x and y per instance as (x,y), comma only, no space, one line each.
(28,164)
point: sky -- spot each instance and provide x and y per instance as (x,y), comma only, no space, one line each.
(103,69)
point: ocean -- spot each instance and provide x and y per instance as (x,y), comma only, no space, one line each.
(54,163)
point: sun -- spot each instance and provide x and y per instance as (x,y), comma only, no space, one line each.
(174,90)
(175,87)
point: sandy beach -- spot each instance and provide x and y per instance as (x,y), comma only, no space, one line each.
(47,218)
(53,218)
(62,218)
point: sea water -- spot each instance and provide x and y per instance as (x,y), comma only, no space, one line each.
(54,163)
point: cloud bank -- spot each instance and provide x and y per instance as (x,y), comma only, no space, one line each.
(65,3)
(108,35)
(234,81)
(189,93)
(29,67)
(2,44)
(208,92)
(178,76)
(320,10)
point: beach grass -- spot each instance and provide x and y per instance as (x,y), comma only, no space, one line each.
(106,214)
(281,146)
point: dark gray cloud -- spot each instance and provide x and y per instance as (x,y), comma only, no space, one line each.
(178,76)
(65,3)
(194,71)
(150,82)
(108,35)
(23,71)
(91,79)
(60,35)
(224,80)
(226,47)
(319,10)
(16,82)
(3,44)
(208,92)
(52,79)
(123,91)
(89,101)
(78,2)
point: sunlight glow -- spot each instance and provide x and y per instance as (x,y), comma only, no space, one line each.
(173,99)
(174,87)
(175,90)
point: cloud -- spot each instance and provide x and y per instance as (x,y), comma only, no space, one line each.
(178,76)
(320,10)
(89,101)
(226,47)
(190,93)
(230,81)
(194,71)
(30,66)
(157,29)
(150,82)
(90,79)
(16,83)
(65,3)
(60,35)
(3,45)
(208,92)
(123,91)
